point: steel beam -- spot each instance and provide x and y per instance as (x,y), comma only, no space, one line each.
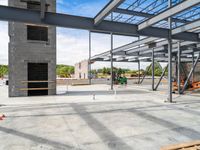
(77,22)
(107,10)
(160,46)
(134,44)
(190,74)
(161,77)
(142,14)
(187,27)
(169,13)
(144,51)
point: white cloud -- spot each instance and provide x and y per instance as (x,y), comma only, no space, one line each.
(4,43)
(4,2)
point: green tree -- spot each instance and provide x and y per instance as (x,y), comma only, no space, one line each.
(64,71)
(158,69)
(3,70)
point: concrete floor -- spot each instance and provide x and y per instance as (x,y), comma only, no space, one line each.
(134,118)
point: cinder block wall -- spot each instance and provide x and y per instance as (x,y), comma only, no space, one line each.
(23,51)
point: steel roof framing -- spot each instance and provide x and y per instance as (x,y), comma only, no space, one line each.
(187,27)
(77,22)
(107,10)
(142,14)
(169,13)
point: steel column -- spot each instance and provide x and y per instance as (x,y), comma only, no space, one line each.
(193,66)
(89,62)
(138,64)
(111,58)
(170,56)
(138,71)
(161,77)
(179,69)
(190,74)
(153,69)
(111,62)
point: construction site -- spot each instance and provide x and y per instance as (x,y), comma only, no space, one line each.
(38,110)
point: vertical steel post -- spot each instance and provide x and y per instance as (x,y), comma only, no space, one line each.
(111,62)
(176,66)
(179,69)
(139,64)
(138,71)
(170,56)
(111,58)
(89,62)
(153,69)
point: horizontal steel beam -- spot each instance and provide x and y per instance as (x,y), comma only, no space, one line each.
(135,44)
(187,27)
(169,13)
(77,22)
(160,47)
(160,50)
(146,15)
(107,10)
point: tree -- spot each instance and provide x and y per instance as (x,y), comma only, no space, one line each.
(106,71)
(64,71)
(3,70)
(157,71)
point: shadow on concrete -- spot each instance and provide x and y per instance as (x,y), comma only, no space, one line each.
(156,105)
(107,136)
(175,107)
(37,139)
(187,132)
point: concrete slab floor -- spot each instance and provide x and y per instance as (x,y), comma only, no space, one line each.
(132,118)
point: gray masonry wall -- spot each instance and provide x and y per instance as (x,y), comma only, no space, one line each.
(23,51)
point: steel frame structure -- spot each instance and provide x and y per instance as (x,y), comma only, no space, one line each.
(171,29)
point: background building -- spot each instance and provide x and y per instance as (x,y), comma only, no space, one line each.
(81,70)
(32,54)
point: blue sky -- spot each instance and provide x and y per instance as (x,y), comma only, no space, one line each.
(87,8)
(72,45)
